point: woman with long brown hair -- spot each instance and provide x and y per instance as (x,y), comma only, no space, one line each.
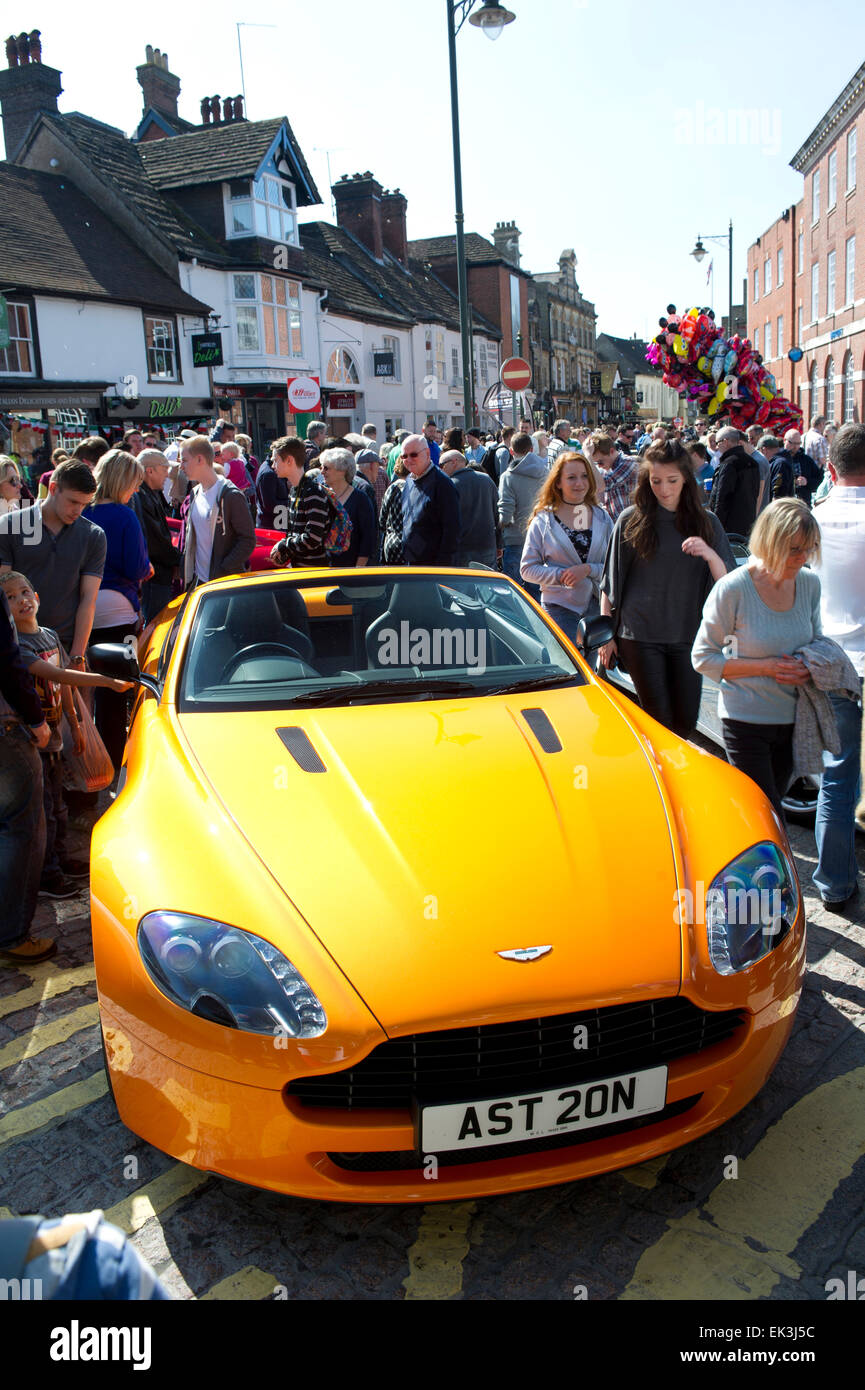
(666,553)
(566,541)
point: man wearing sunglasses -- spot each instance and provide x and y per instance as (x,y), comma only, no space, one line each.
(430,508)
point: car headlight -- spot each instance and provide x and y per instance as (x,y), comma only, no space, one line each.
(228,976)
(750,907)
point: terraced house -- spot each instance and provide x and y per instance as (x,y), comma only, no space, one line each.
(215,207)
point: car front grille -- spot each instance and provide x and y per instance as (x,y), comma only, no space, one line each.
(508,1058)
(408,1160)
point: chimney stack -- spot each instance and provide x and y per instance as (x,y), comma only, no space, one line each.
(160,87)
(506,238)
(358,209)
(393,224)
(27,86)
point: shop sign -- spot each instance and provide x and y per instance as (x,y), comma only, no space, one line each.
(304,394)
(383,364)
(594,383)
(50,400)
(207,349)
(4,323)
(341,400)
(164,407)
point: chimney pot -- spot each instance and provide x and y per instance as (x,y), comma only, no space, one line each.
(27,87)
(148,53)
(359,210)
(160,87)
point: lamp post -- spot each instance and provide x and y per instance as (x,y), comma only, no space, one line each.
(699,252)
(492,18)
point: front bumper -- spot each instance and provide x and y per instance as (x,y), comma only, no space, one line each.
(265,1138)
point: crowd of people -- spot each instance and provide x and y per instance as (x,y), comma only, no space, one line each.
(630,523)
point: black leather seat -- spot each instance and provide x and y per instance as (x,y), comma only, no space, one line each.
(421,606)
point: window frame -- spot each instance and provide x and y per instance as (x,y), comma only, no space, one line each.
(33,340)
(815,197)
(767,276)
(392,344)
(832,180)
(851,162)
(259,304)
(830,282)
(779,335)
(829,390)
(255,202)
(849,409)
(815,292)
(850,269)
(177,378)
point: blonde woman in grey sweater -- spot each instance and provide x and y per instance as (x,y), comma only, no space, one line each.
(753,621)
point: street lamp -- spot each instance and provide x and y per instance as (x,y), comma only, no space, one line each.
(492,18)
(699,253)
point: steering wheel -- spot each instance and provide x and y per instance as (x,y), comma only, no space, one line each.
(257,649)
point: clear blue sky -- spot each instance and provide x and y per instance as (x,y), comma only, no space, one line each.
(618,127)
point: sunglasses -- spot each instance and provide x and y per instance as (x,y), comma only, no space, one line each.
(416,455)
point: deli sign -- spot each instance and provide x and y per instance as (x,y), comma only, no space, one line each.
(207,350)
(304,394)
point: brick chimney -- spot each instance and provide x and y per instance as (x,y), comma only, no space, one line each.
(506,238)
(393,228)
(358,209)
(27,86)
(160,87)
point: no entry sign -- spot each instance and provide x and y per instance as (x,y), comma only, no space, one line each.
(516,373)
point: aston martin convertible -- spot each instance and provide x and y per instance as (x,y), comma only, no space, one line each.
(397,901)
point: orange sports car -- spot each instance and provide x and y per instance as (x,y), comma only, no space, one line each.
(398,901)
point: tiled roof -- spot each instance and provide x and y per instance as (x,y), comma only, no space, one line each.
(210,154)
(58,240)
(628,353)
(118,161)
(361,285)
(436,247)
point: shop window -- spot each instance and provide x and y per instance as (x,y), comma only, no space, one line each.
(18,359)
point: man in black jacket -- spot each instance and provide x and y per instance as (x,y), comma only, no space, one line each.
(23,731)
(794,473)
(149,506)
(735,486)
(430,508)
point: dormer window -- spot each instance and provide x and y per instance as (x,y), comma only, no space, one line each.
(265,207)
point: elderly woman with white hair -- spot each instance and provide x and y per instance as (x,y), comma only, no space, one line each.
(338,470)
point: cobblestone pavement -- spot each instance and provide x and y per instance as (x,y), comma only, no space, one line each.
(673,1228)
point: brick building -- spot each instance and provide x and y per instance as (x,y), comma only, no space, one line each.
(805,286)
(562,343)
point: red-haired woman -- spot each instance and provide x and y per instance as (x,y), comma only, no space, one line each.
(666,554)
(566,541)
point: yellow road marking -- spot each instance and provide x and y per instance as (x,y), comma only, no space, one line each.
(54,985)
(5,1213)
(782,1188)
(46,1035)
(41,1112)
(248,1283)
(436,1258)
(645,1174)
(155,1197)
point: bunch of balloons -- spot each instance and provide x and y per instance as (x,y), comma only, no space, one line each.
(726,375)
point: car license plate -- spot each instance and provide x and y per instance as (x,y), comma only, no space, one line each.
(566,1109)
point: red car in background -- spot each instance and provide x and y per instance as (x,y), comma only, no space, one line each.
(264,543)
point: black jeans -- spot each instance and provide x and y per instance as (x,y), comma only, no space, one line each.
(764,752)
(56,814)
(22,834)
(667,684)
(111,711)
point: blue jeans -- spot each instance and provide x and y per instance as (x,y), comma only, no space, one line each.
(22,834)
(511,566)
(835,829)
(565,618)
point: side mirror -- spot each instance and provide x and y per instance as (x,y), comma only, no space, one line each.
(121,664)
(593,633)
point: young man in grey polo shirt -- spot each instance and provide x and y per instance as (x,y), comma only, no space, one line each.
(61,553)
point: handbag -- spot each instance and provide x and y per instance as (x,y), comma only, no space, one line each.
(92,770)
